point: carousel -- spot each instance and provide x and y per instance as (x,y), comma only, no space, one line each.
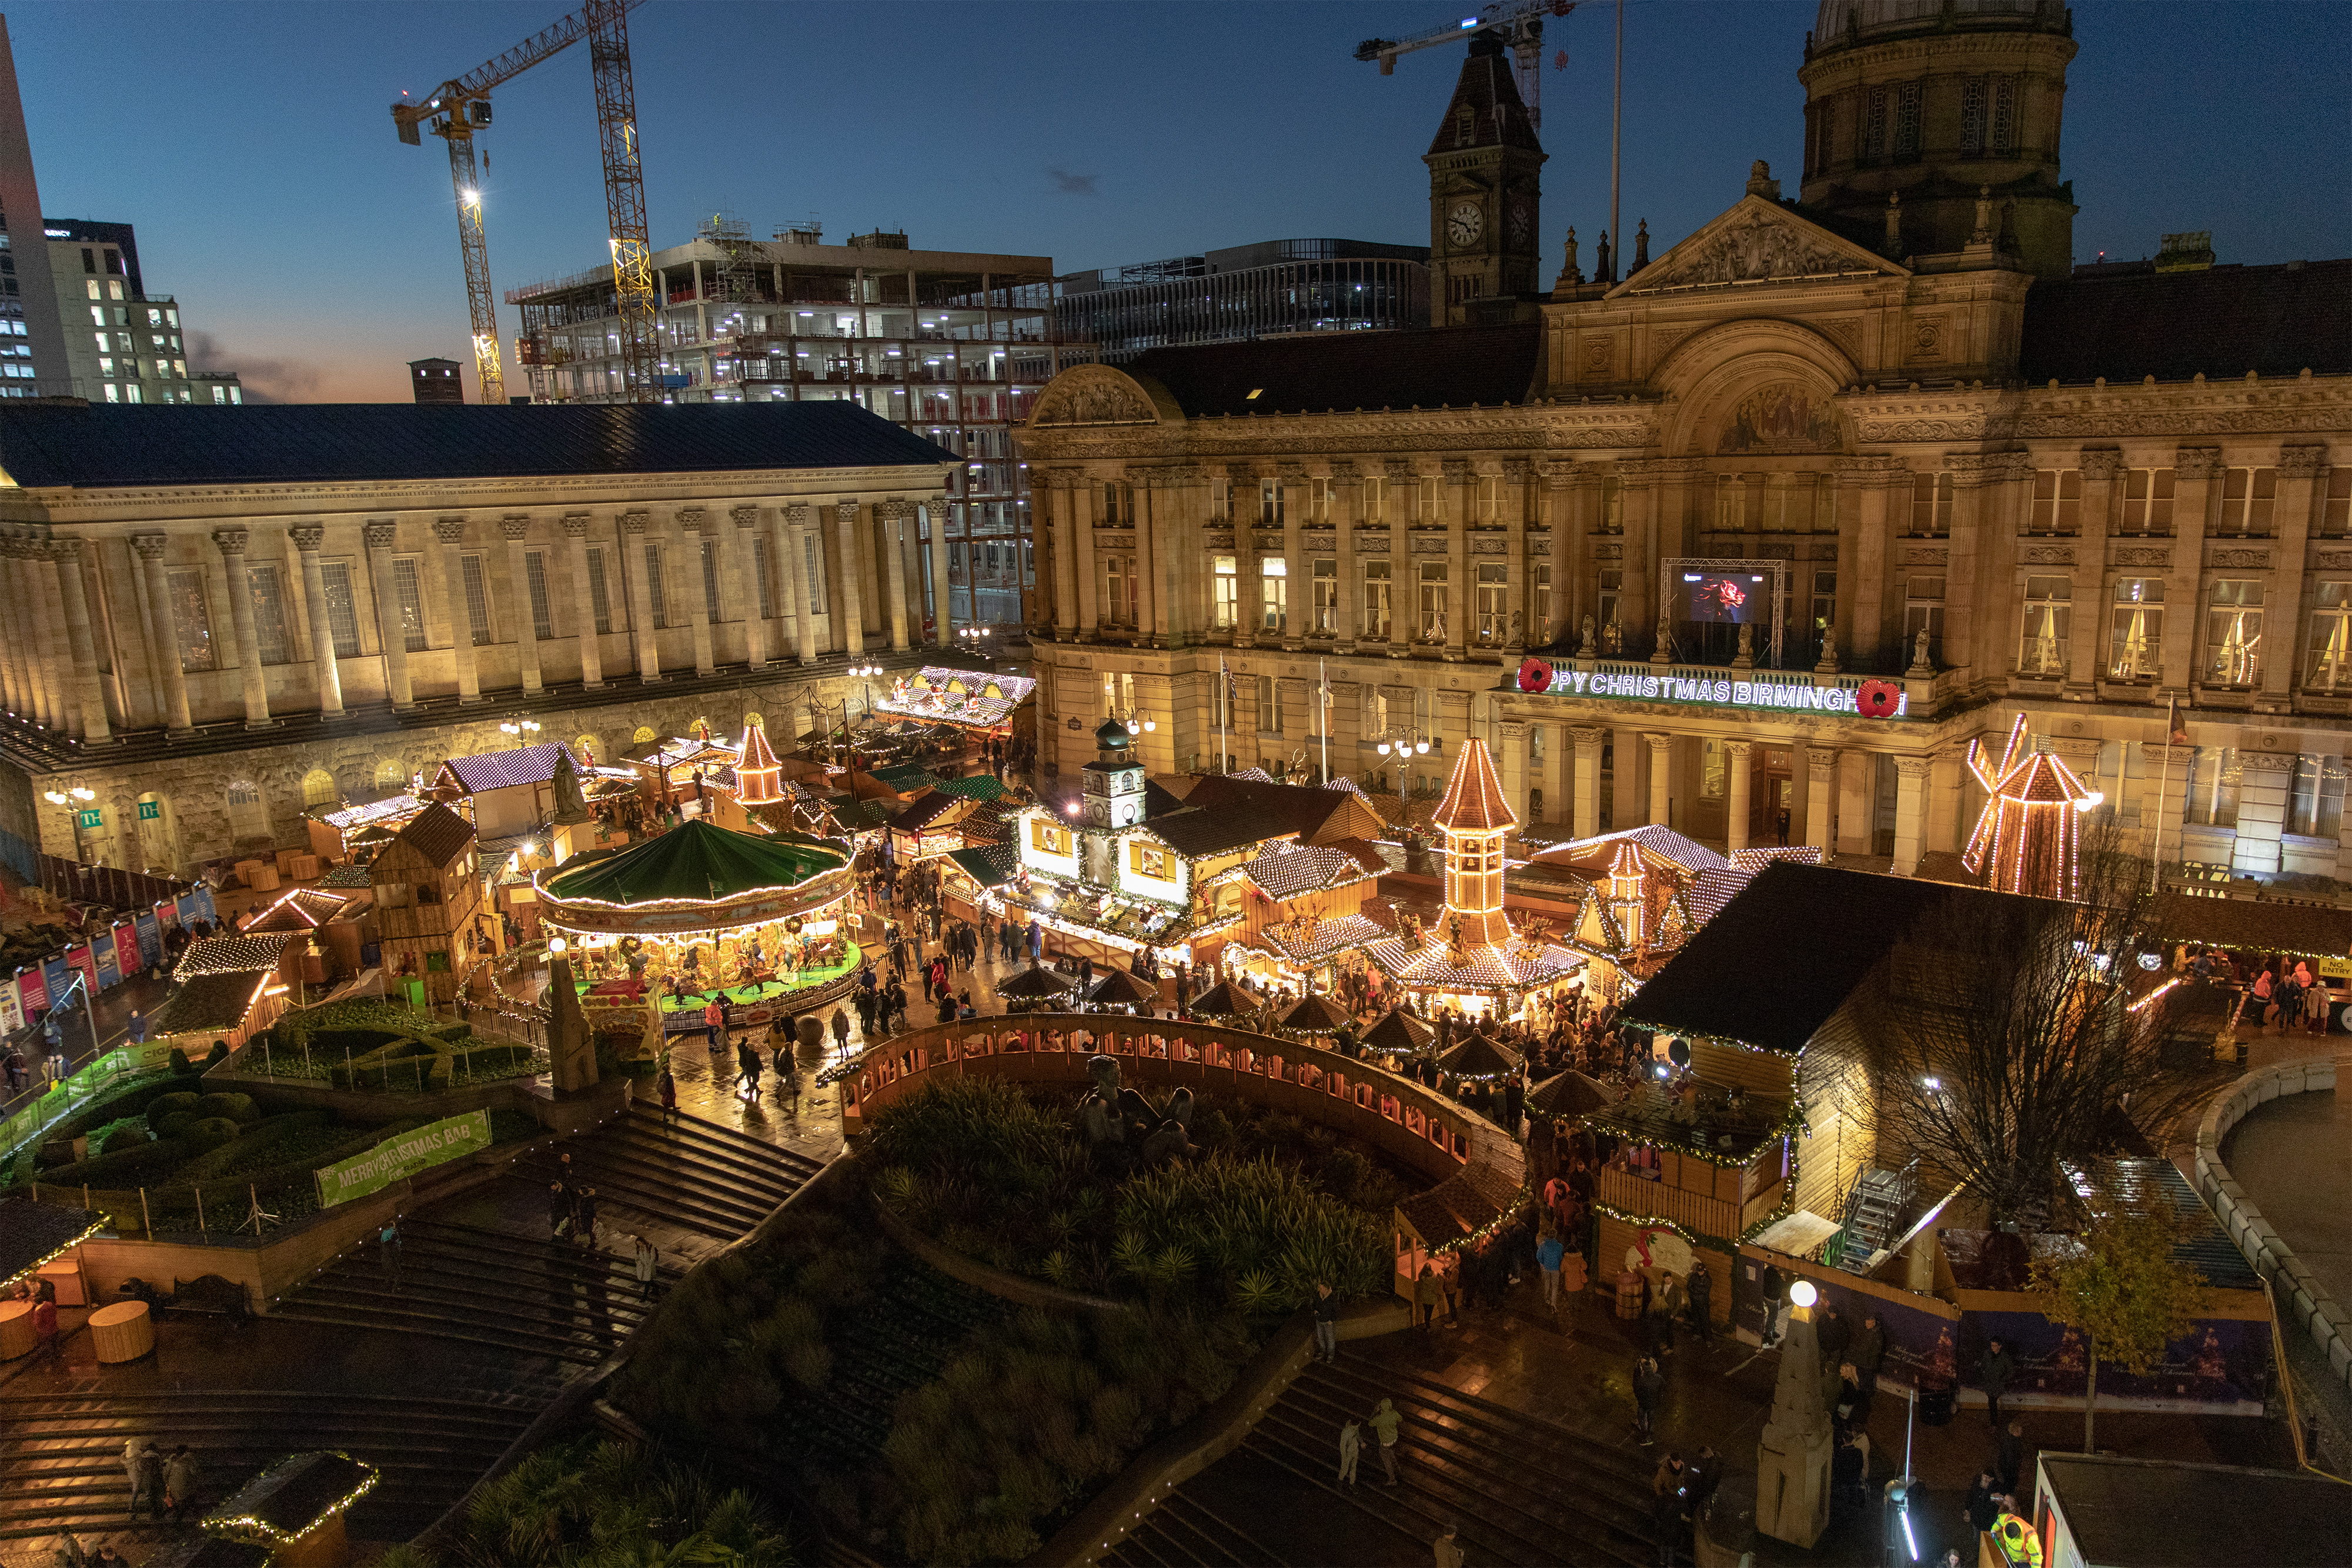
(1473,960)
(702,912)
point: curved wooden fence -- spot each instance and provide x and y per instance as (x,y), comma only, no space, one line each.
(1422,1129)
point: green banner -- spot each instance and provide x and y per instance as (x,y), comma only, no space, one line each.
(398,1158)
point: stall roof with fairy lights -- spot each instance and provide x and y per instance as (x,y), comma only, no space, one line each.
(693,880)
(969,699)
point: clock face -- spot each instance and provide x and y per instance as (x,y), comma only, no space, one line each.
(1520,224)
(1465,223)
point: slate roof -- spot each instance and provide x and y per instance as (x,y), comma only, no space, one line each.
(1302,808)
(107,445)
(2246,923)
(1784,955)
(697,862)
(2222,321)
(1462,1204)
(1196,833)
(925,811)
(500,769)
(1427,368)
(1499,117)
(437,833)
(2159,1513)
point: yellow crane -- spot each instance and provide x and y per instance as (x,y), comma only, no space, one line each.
(461,106)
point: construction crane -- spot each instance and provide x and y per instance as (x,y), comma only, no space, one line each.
(1520,23)
(459,107)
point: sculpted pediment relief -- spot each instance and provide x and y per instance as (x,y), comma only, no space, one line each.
(1755,242)
(1093,394)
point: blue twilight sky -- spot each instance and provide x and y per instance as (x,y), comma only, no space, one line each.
(250,142)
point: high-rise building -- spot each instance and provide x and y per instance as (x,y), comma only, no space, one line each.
(435,380)
(951,345)
(1272,290)
(130,348)
(32,338)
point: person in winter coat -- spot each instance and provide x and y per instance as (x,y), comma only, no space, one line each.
(583,1217)
(1326,1322)
(1670,1505)
(1993,1373)
(747,1069)
(841,1032)
(1648,1388)
(714,1022)
(1384,1423)
(150,1484)
(1983,1506)
(668,1087)
(647,1259)
(558,1209)
(1702,1305)
(1549,1255)
(1351,1443)
(1867,1349)
(180,1482)
(1445,1551)
(1428,1295)
(131,1449)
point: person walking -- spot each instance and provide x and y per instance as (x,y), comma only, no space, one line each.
(747,1071)
(387,1247)
(1550,1252)
(131,1449)
(1446,1551)
(1326,1322)
(1993,1373)
(668,1087)
(180,1478)
(137,1027)
(647,1257)
(1428,1295)
(1649,1387)
(1669,1505)
(1775,1291)
(1702,1300)
(559,1210)
(714,1022)
(1384,1423)
(2009,1456)
(584,1223)
(841,1032)
(150,1484)
(1351,1443)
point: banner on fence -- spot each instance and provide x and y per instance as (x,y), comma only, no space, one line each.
(107,951)
(126,961)
(12,1010)
(150,940)
(84,959)
(404,1156)
(56,976)
(33,990)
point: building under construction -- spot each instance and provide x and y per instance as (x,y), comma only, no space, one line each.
(1272,290)
(952,345)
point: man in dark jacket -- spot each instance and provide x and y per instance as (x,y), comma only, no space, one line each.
(1993,1373)
(1983,1505)
(1702,1297)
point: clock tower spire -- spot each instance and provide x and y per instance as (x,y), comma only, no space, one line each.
(1484,194)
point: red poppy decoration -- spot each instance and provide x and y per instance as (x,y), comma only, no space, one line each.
(1877,699)
(1534,675)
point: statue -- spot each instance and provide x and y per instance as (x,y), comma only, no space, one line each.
(1585,650)
(1920,662)
(1568,274)
(1829,663)
(571,805)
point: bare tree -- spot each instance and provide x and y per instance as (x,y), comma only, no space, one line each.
(2010,1027)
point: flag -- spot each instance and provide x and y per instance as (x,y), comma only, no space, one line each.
(1233,688)
(2176,728)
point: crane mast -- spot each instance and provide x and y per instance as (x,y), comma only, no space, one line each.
(461,106)
(1521,25)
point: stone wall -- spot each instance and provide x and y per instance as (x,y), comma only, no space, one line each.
(2297,1292)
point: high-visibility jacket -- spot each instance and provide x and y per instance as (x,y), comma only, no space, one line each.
(2017,1540)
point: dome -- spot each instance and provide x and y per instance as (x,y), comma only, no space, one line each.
(1870,16)
(1113,736)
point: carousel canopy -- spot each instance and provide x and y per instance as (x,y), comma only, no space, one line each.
(1400,1032)
(1225,999)
(1479,1057)
(697,875)
(1118,989)
(1037,981)
(1570,1093)
(1315,1014)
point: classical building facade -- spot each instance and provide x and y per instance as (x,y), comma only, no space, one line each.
(217,617)
(1946,477)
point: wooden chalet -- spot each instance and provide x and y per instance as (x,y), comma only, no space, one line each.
(429,890)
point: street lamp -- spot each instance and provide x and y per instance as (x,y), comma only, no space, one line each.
(70,801)
(519,729)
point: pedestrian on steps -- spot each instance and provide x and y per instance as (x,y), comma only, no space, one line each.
(583,1222)
(180,1483)
(1326,1322)
(559,1210)
(1384,1423)
(150,1482)
(131,1449)
(1446,1551)
(1649,1387)
(1351,1443)
(387,1245)
(668,1095)
(647,1257)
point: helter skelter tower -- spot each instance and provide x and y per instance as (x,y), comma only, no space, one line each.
(2029,836)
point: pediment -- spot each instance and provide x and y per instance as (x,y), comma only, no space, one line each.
(1094,394)
(1757,241)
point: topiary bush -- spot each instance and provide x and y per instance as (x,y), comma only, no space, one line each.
(129,1136)
(178,1061)
(229,1107)
(205,1135)
(164,1107)
(217,1054)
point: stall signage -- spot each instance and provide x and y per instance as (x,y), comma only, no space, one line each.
(402,1155)
(1713,693)
(151,810)
(93,816)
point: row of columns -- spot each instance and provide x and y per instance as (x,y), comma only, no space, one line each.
(54,670)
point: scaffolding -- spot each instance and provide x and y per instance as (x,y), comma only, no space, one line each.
(736,279)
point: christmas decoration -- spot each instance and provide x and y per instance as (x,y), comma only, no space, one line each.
(2027,837)
(1534,675)
(1878,699)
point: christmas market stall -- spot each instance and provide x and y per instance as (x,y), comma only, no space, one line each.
(971,700)
(701,911)
(1037,989)
(1397,1039)
(1461,1211)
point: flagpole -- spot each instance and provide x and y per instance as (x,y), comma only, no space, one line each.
(2163,793)
(1224,712)
(1323,702)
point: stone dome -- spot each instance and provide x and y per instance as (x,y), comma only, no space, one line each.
(1871,15)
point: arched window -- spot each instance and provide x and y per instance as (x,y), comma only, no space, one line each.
(391,774)
(587,749)
(248,817)
(645,733)
(319,789)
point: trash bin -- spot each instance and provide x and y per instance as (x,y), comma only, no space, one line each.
(1935,1406)
(1629,1295)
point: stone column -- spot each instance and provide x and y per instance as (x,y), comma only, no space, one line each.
(89,686)
(1564,505)
(1517,487)
(308,537)
(1637,495)
(1347,514)
(641,600)
(2085,559)
(1910,813)
(1404,580)
(792,534)
(379,538)
(2164,797)
(1855,817)
(1587,739)
(943,599)
(152,582)
(583,608)
(1062,495)
(16,635)
(1515,767)
(451,532)
(744,557)
(1867,636)
(1736,809)
(1458,497)
(241,606)
(1298,588)
(53,693)
(526,616)
(1151,568)
(2194,473)
(848,612)
(693,533)
(1553,775)
(1246,516)
(2299,468)
(897,518)
(1662,773)
(1821,795)
(1081,504)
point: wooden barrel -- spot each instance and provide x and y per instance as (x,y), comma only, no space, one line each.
(122,1331)
(17,1330)
(1629,1295)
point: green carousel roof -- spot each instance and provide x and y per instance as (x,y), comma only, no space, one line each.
(695,861)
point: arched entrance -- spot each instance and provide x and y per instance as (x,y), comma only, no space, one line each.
(159,834)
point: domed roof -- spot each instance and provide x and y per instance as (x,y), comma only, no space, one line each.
(1870,16)
(1113,736)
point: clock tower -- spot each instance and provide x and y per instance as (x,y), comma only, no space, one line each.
(1484,194)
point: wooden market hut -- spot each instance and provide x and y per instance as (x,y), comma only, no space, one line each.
(428,889)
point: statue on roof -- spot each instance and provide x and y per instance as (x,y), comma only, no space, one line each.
(571,805)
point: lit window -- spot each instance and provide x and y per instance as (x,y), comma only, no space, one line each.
(1274,574)
(1923,611)
(113,392)
(1326,598)
(2041,647)
(1225,592)
(1433,601)
(2135,629)
(2234,634)
(2330,668)
(1493,603)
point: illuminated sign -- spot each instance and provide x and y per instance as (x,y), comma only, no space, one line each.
(1721,693)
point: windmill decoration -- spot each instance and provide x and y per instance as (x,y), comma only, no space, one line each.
(2027,836)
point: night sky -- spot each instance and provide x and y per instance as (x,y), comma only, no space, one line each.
(315,255)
